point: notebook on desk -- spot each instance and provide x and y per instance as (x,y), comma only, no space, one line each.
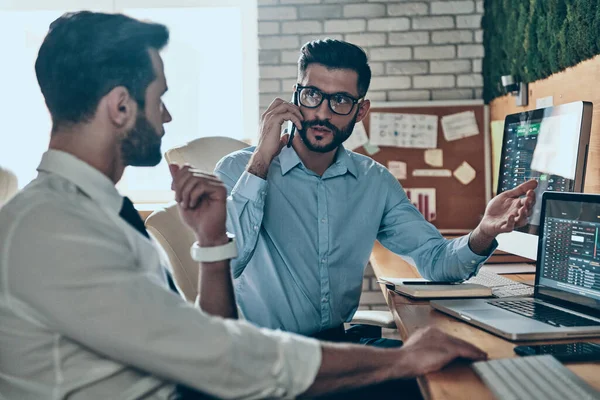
(423,289)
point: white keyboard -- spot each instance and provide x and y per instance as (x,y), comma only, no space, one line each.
(533,378)
(501,286)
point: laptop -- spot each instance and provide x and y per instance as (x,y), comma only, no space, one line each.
(566,299)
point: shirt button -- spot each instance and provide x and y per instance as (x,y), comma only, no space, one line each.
(323,260)
(324,300)
(323,220)
(255,227)
(473,262)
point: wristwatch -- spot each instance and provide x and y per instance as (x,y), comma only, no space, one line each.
(216,253)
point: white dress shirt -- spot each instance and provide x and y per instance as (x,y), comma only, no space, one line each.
(85,311)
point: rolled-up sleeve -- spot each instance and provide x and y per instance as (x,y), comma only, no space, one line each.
(85,283)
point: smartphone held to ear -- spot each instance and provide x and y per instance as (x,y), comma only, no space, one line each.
(291,125)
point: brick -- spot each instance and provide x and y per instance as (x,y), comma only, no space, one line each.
(343,1)
(300,1)
(367,39)
(478,94)
(407,68)
(267,2)
(443,37)
(480,8)
(434,52)
(432,23)
(320,12)
(309,38)
(287,85)
(473,80)
(363,10)
(406,9)
(479,36)
(377,68)
(278,42)
(470,51)
(387,82)
(406,38)
(271,72)
(301,27)
(454,66)
(452,7)
(377,96)
(265,100)
(390,53)
(345,25)
(468,21)
(408,95)
(276,13)
(371,298)
(268,57)
(269,86)
(290,56)
(268,28)
(389,24)
(452,94)
(477,67)
(366,286)
(434,81)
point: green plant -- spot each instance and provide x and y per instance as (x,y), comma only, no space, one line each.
(533,39)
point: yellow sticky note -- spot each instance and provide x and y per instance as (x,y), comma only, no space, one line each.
(497,131)
(465,173)
(434,157)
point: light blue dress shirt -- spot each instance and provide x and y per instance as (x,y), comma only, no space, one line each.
(304,240)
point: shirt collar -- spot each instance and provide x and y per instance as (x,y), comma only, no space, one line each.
(87,178)
(288,159)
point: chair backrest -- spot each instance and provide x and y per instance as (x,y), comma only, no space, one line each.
(166,226)
(204,153)
(8,185)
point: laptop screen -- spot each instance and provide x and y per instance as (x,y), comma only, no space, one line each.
(569,262)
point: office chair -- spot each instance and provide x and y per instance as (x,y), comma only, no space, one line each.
(167,228)
(8,185)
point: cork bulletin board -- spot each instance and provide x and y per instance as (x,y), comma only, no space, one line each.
(458,207)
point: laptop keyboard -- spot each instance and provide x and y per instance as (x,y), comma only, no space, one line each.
(501,286)
(542,313)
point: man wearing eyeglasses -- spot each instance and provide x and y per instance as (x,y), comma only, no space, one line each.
(307,216)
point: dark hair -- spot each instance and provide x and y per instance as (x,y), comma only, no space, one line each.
(336,54)
(85,55)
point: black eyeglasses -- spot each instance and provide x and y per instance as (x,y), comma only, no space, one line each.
(339,103)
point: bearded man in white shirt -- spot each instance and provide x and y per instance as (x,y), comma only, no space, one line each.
(85,310)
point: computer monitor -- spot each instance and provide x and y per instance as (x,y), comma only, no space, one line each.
(549,145)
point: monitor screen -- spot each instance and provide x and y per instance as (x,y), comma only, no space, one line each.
(570,252)
(550,146)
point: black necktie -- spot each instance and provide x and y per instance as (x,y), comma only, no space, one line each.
(130,214)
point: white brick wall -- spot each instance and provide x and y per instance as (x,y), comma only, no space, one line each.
(418,49)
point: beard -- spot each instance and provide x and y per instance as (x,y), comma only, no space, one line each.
(340,135)
(140,147)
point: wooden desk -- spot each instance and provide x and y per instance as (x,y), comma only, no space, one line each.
(457,381)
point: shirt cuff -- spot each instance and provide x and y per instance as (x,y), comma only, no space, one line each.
(469,259)
(251,187)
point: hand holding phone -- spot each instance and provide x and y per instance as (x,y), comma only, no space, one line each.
(291,125)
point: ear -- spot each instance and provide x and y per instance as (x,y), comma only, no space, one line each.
(363,109)
(121,107)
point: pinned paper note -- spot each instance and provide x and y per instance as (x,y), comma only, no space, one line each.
(358,137)
(398,169)
(404,130)
(497,128)
(424,201)
(458,126)
(465,173)
(371,149)
(439,173)
(434,157)
(555,151)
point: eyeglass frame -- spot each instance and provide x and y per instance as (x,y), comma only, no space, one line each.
(328,96)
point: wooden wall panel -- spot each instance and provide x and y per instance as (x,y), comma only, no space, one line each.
(580,83)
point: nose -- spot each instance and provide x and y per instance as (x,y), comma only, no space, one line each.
(166,115)
(323,111)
